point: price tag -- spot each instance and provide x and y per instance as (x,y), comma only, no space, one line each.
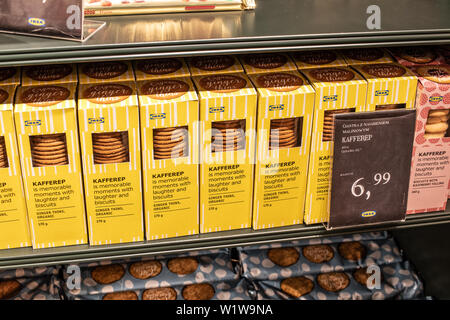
(371,167)
(48,18)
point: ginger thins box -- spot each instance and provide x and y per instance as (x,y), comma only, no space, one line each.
(14,231)
(267,62)
(105,71)
(227,148)
(170,141)
(153,69)
(366,56)
(9,76)
(108,115)
(47,133)
(389,86)
(430,171)
(338,90)
(49,74)
(285,115)
(206,65)
(318,59)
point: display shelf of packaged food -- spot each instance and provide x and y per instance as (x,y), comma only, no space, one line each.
(27,257)
(272,26)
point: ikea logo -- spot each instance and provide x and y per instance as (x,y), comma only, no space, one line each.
(156,116)
(381,93)
(436,99)
(216,109)
(367,214)
(275,107)
(96,120)
(36,22)
(330,98)
(34,123)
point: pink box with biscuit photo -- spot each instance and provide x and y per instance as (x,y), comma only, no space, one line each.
(430,172)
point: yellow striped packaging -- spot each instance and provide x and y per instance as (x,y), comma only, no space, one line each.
(9,76)
(330,95)
(105,72)
(207,65)
(171,185)
(226,177)
(332,58)
(153,69)
(267,62)
(112,190)
(387,84)
(383,57)
(54,194)
(14,231)
(281,173)
(49,74)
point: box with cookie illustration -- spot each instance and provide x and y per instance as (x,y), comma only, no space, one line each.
(267,62)
(49,74)
(194,276)
(105,71)
(338,90)
(153,69)
(227,149)
(207,65)
(430,171)
(41,283)
(14,231)
(396,281)
(417,56)
(318,59)
(306,257)
(366,56)
(47,133)
(389,86)
(170,141)
(9,76)
(284,121)
(108,115)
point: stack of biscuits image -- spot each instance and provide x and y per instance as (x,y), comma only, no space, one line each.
(3,155)
(110,147)
(328,123)
(283,133)
(49,150)
(228,135)
(170,143)
(390,106)
(437,124)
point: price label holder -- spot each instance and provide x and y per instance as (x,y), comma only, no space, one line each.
(60,19)
(371,167)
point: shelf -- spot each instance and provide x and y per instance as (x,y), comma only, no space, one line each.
(294,25)
(27,257)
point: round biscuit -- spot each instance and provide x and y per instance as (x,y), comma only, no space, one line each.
(438,112)
(434,135)
(436,127)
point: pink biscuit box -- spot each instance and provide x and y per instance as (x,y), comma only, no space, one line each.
(417,56)
(430,172)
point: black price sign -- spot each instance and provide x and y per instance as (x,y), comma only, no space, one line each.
(371,167)
(50,18)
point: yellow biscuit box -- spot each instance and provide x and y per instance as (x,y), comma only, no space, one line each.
(9,76)
(318,59)
(108,115)
(389,86)
(227,148)
(337,90)
(285,115)
(47,134)
(267,62)
(49,74)
(14,231)
(207,65)
(170,141)
(105,71)
(153,69)
(358,56)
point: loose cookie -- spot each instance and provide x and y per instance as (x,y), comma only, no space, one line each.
(284,257)
(297,286)
(319,253)
(182,266)
(352,251)
(145,269)
(9,289)
(198,291)
(125,295)
(108,274)
(159,294)
(333,281)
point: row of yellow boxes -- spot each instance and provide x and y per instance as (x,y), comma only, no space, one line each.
(214,153)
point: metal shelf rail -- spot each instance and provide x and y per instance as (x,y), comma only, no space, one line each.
(294,25)
(27,257)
